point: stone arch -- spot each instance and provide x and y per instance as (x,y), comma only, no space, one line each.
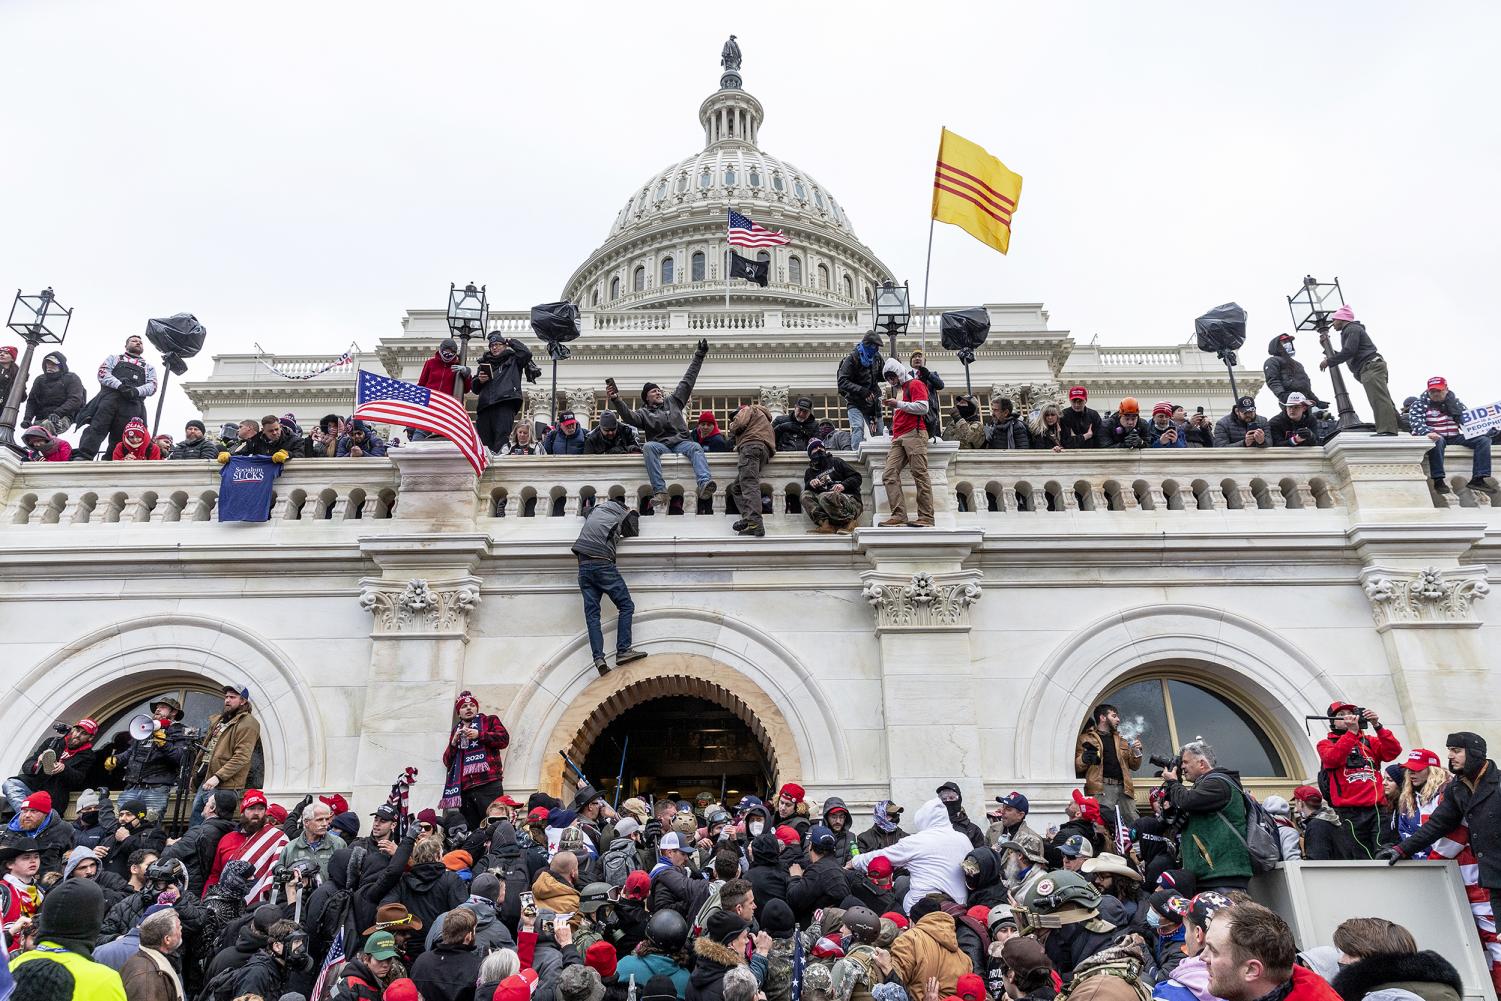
(1256,663)
(704,653)
(659,675)
(138,654)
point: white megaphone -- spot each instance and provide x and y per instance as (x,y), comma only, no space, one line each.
(141,726)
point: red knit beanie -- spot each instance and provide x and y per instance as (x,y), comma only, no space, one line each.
(600,957)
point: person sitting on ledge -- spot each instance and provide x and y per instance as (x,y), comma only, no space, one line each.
(660,419)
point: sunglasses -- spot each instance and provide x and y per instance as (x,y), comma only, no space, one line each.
(425,828)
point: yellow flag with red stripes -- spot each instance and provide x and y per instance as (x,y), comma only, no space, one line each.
(975,191)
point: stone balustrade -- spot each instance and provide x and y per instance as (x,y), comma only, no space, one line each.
(976,489)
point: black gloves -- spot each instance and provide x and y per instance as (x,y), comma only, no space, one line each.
(1390,855)
(703,345)
(1091,755)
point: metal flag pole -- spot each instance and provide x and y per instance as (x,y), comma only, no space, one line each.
(926,270)
(727,253)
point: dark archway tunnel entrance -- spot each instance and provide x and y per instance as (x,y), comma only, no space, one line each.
(679,746)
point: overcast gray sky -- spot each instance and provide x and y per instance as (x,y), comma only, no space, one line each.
(299,174)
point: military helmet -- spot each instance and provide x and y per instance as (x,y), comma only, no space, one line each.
(594,896)
(864,923)
(1054,899)
(667,930)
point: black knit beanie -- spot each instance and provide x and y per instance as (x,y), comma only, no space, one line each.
(1474,748)
(71,915)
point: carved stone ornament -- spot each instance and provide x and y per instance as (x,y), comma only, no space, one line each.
(774,398)
(922,601)
(581,402)
(1423,598)
(420,607)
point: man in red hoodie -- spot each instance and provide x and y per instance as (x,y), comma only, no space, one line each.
(1351,769)
(441,373)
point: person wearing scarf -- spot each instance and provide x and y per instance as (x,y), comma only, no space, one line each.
(887,830)
(136,443)
(475,775)
(708,435)
(20,897)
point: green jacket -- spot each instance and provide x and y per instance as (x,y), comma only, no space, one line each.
(1210,849)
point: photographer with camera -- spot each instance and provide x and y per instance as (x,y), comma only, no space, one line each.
(1212,846)
(1351,774)
(1105,760)
(497,381)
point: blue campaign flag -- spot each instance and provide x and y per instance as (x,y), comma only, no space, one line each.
(246,484)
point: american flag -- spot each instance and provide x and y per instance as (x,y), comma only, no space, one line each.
(797,964)
(391,401)
(331,964)
(744,233)
(1122,835)
(262,851)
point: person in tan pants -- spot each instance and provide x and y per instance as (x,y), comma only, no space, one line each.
(909,446)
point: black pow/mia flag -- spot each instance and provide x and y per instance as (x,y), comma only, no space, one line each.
(752,271)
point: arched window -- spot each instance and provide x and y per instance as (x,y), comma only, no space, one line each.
(1167,711)
(705,179)
(667,266)
(594,296)
(777,183)
(682,183)
(638,279)
(799,190)
(823,276)
(662,190)
(762,255)
(869,294)
(849,288)
(729,177)
(755,178)
(615,288)
(697,266)
(795,269)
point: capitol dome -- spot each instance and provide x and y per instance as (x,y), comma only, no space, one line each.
(667,245)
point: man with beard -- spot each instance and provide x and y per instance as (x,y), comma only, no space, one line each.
(125,380)
(136,831)
(252,819)
(196,849)
(230,738)
(953,801)
(56,395)
(59,766)
(150,765)
(195,443)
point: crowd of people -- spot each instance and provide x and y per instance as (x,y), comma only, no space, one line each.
(482,897)
(873,389)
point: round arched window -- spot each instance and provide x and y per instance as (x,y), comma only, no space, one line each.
(762,255)
(823,277)
(638,279)
(594,297)
(667,269)
(795,269)
(198,701)
(849,288)
(1168,711)
(615,287)
(696,266)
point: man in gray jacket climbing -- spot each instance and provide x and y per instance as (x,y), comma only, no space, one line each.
(662,425)
(607,523)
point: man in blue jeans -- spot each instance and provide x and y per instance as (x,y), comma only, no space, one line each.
(665,429)
(1436,415)
(607,523)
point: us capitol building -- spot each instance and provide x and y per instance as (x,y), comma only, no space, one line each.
(1226,593)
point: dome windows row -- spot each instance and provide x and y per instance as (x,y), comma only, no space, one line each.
(732,174)
(667,272)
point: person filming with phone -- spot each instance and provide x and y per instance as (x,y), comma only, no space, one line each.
(1350,762)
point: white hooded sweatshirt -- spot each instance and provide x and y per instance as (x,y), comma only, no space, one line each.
(932,855)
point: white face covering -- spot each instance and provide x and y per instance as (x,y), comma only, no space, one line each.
(1288,349)
(756,827)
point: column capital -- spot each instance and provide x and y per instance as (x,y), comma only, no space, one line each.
(419,609)
(1428,597)
(922,601)
(774,399)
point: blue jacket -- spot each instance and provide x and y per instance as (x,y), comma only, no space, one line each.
(372,445)
(1157,441)
(651,965)
(555,442)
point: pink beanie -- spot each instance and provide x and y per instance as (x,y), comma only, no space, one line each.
(1343,313)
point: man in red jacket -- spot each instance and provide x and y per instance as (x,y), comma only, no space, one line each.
(1250,954)
(1351,769)
(441,373)
(472,760)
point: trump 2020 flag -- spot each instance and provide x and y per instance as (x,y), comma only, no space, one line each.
(246,484)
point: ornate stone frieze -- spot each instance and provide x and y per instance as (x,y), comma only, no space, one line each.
(921,601)
(1426,597)
(774,398)
(420,607)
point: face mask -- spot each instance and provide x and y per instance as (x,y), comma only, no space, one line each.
(756,827)
(1154,920)
(1288,350)
(821,460)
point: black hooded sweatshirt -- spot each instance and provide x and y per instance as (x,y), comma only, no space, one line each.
(427,889)
(59,392)
(766,875)
(959,819)
(982,875)
(1286,375)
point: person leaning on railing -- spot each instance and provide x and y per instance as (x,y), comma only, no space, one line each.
(1295,425)
(1165,434)
(195,443)
(1242,427)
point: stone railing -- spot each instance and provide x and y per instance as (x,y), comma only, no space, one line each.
(79,494)
(972,488)
(771,318)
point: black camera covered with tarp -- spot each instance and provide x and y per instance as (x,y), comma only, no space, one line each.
(1221,329)
(178,338)
(556,323)
(963,330)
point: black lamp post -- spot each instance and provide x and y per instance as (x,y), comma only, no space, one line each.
(893,310)
(468,309)
(1311,306)
(38,319)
